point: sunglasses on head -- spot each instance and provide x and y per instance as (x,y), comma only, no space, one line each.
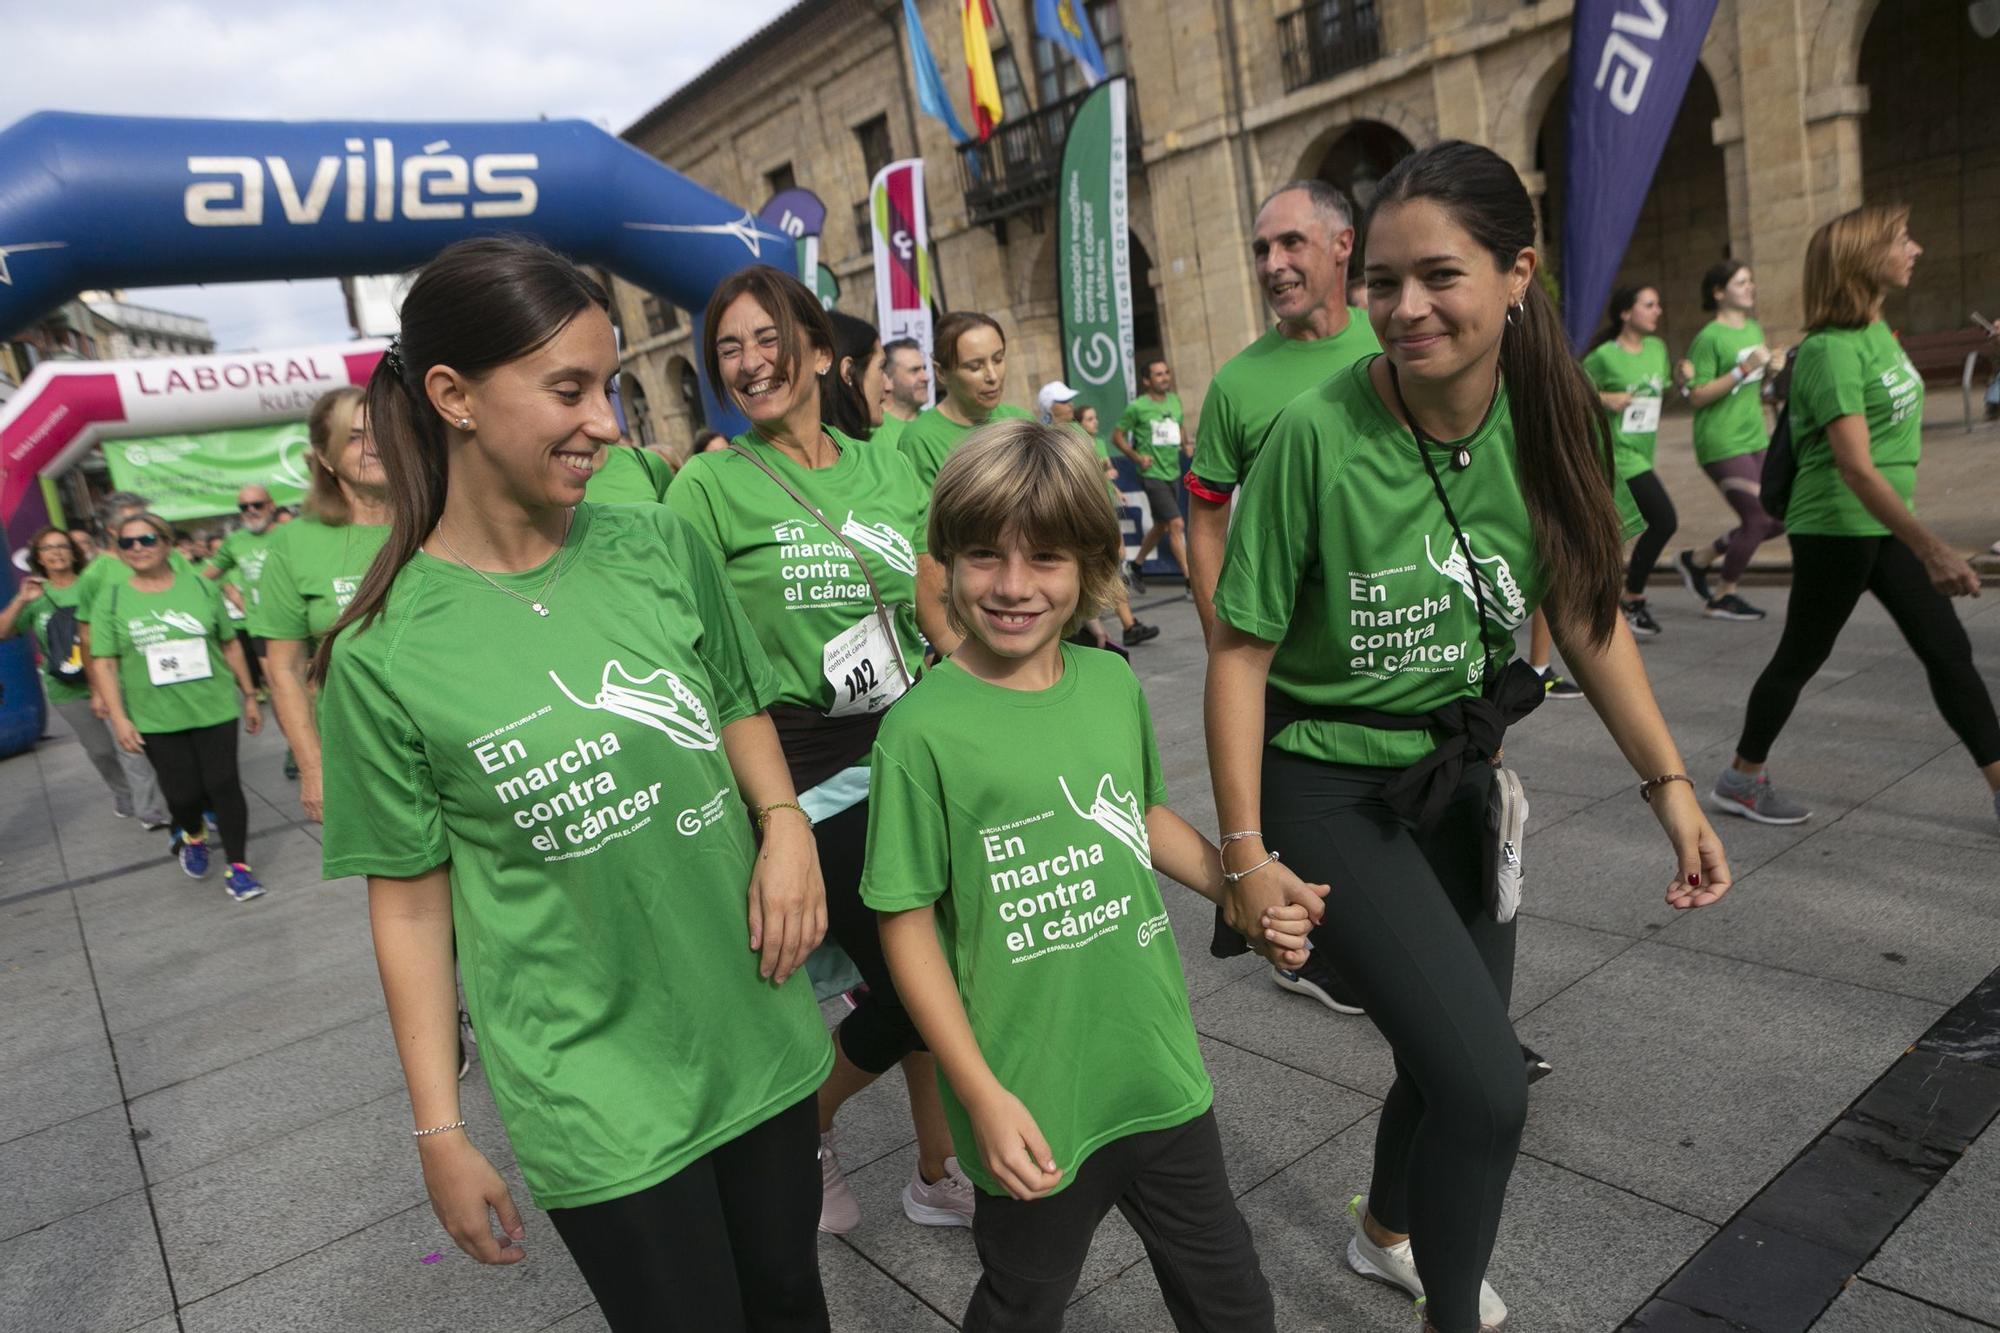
(248,505)
(143,539)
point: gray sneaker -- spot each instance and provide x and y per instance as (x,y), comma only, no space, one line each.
(1756,799)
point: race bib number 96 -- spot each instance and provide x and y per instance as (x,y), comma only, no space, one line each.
(178,661)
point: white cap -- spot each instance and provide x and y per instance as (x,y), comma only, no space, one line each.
(1055,391)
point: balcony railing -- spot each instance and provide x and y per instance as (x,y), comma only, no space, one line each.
(1018,166)
(1326,38)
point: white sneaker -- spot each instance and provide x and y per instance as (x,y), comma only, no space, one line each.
(1394,1266)
(947,1202)
(839,1210)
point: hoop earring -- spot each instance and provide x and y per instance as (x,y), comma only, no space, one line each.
(1514,314)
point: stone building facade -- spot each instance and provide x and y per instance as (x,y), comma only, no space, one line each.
(1798,111)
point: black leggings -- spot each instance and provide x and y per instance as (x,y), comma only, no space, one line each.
(880,1031)
(1406,927)
(1829,574)
(197,772)
(1658,511)
(729,1244)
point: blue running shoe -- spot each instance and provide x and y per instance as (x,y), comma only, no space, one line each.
(242,885)
(193,857)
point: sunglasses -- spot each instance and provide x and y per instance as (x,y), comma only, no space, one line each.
(254,504)
(145,539)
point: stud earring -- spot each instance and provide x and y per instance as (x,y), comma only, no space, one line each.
(465,423)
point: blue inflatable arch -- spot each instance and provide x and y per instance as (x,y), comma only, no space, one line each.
(114,201)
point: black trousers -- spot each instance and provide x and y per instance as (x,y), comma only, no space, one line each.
(1829,574)
(1407,928)
(1171,1186)
(880,1031)
(1658,510)
(197,772)
(730,1244)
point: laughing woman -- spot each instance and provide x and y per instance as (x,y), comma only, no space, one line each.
(574,806)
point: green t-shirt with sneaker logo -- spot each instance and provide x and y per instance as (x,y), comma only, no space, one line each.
(1342,555)
(34,623)
(799,583)
(1022,816)
(578,787)
(311,574)
(1152,427)
(1852,372)
(1734,423)
(629,475)
(171,670)
(929,440)
(240,560)
(107,572)
(1255,385)
(1643,374)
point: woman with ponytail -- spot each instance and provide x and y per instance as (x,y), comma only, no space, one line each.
(1627,365)
(314,568)
(1401,522)
(543,723)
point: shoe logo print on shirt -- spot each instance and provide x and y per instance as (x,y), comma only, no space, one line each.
(184,621)
(1116,813)
(884,540)
(679,716)
(1504,600)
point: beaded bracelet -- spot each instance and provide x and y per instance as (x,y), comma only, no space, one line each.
(1237,876)
(1646,788)
(437,1129)
(764,812)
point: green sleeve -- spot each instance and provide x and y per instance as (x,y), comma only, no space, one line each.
(1155,773)
(909,842)
(382,810)
(695,507)
(1595,367)
(1274,538)
(1128,420)
(279,611)
(1826,382)
(1705,354)
(658,471)
(738,671)
(920,536)
(218,613)
(89,585)
(107,636)
(224,559)
(1218,450)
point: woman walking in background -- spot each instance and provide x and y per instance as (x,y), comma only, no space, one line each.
(1628,366)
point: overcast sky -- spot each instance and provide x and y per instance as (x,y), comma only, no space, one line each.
(608,61)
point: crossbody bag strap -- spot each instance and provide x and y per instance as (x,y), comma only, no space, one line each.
(881,609)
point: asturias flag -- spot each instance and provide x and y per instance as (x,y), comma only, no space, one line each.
(930,84)
(1063,24)
(979,75)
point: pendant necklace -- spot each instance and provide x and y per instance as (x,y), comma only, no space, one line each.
(538,603)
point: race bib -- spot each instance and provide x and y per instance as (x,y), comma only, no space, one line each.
(1642,417)
(1166,431)
(178,661)
(862,666)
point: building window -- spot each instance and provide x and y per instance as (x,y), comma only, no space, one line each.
(1056,73)
(781,179)
(661,318)
(1007,74)
(876,150)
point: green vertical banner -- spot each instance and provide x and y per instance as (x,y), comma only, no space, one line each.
(197,476)
(1095,255)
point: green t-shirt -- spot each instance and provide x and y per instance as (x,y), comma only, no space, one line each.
(889,433)
(34,622)
(600,854)
(629,475)
(929,440)
(1852,372)
(311,573)
(240,560)
(801,589)
(1734,423)
(1022,815)
(1253,386)
(169,650)
(1342,555)
(1153,428)
(1643,374)
(107,572)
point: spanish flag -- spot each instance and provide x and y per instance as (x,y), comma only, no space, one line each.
(985,86)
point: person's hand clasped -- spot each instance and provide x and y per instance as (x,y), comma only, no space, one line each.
(787,897)
(1702,873)
(1012,1146)
(464,1188)
(1273,909)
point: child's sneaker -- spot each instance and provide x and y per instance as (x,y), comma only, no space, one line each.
(945,1202)
(193,857)
(839,1210)
(242,885)
(1394,1266)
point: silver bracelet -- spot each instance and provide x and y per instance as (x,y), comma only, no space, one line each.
(437,1129)
(1236,876)
(1228,838)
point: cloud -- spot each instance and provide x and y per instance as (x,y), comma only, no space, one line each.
(356,59)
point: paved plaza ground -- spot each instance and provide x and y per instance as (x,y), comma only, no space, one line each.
(203,1127)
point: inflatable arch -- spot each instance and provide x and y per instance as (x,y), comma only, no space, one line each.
(114,201)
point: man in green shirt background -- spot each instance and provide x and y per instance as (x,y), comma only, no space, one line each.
(1149,433)
(909,374)
(239,564)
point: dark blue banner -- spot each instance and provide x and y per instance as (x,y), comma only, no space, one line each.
(1629,65)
